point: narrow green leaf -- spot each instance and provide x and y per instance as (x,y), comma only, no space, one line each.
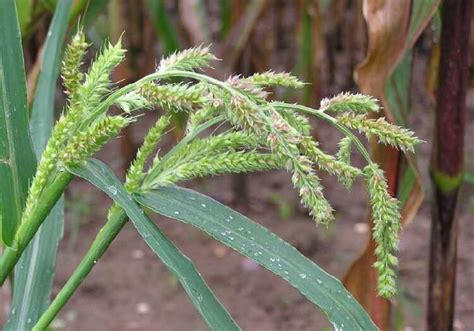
(25,9)
(164,26)
(225,13)
(34,272)
(421,13)
(17,161)
(42,115)
(201,295)
(264,247)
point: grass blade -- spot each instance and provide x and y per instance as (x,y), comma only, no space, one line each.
(17,161)
(200,294)
(163,26)
(265,248)
(34,272)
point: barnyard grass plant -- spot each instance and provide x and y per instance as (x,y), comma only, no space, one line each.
(233,127)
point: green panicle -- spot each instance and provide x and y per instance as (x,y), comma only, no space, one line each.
(84,144)
(189,59)
(228,162)
(386,218)
(344,156)
(211,146)
(310,190)
(251,90)
(387,133)
(242,115)
(72,61)
(132,101)
(298,121)
(136,172)
(200,116)
(356,103)
(97,81)
(173,97)
(344,152)
(283,139)
(345,173)
(271,78)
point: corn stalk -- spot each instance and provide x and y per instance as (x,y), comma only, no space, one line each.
(447,162)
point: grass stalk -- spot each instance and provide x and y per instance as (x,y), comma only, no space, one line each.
(116,220)
(30,226)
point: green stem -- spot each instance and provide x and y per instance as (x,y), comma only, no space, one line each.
(30,226)
(116,220)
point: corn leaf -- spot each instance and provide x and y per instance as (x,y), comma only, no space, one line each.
(34,272)
(17,160)
(259,244)
(200,294)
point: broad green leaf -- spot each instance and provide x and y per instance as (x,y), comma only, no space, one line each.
(34,272)
(17,160)
(200,294)
(264,247)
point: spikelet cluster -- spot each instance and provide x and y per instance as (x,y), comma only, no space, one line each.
(356,103)
(175,97)
(189,59)
(310,189)
(97,81)
(298,121)
(345,149)
(271,78)
(283,139)
(72,61)
(251,90)
(387,133)
(136,174)
(227,162)
(386,218)
(78,133)
(265,136)
(242,115)
(132,101)
(344,156)
(197,150)
(231,141)
(88,142)
(201,115)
